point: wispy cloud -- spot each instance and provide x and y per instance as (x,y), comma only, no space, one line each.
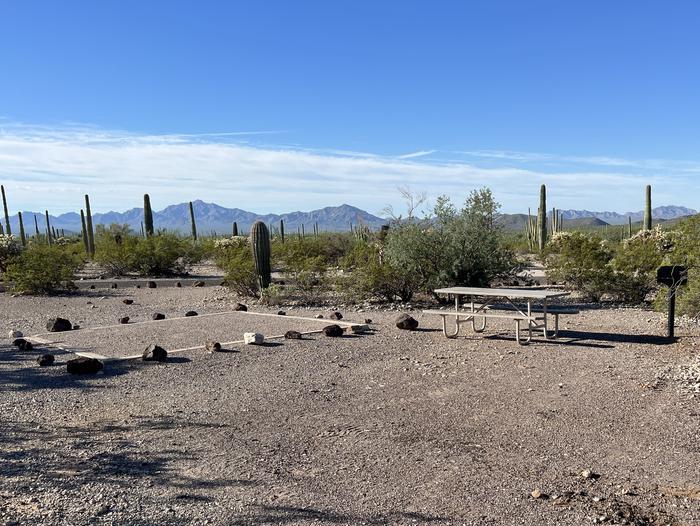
(52,167)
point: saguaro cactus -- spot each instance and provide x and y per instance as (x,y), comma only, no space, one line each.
(36,227)
(282,230)
(234,230)
(88,228)
(629,226)
(542,219)
(647,209)
(147,215)
(83,232)
(8,228)
(260,240)
(48,229)
(192,222)
(22,237)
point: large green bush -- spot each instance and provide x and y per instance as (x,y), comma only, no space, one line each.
(235,257)
(454,247)
(119,252)
(9,248)
(44,269)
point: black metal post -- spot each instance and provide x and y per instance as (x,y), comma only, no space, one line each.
(671,310)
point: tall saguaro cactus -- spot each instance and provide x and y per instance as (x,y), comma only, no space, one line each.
(282,230)
(629,226)
(22,237)
(8,228)
(83,232)
(542,219)
(192,222)
(88,228)
(36,227)
(647,209)
(234,229)
(260,240)
(147,215)
(48,229)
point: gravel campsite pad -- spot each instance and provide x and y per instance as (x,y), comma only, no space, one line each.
(119,341)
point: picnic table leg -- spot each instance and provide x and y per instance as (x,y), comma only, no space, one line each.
(444,327)
(483,320)
(544,319)
(517,333)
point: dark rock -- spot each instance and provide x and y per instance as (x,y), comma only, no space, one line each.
(151,284)
(58,325)
(190,313)
(292,335)
(368,321)
(178,284)
(45,360)
(281,313)
(333,331)
(406,322)
(114,286)
(155,353)
(158,316)
(212,346)
(240,307)
(128,302)
(124,320)
(198,283)
(76,327)
(84,365)
(92,287)
(22,344)
(138,286)
(336,316)
(319,316)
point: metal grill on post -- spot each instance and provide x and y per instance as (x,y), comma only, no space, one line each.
(673,276)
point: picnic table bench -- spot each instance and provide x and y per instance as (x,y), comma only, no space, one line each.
(536,316)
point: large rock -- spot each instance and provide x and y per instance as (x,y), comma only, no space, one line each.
(359,329)
(292,335)
(45,360)
(191,313)
(336,316)
(84,365)
(406,322)
(58,325)
(22,344)
(155,353)
(253,338)
(240,307)
(158,316)
(333,331)
(124,320)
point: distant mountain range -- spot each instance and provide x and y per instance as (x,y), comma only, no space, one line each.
(215,218)
(210,218)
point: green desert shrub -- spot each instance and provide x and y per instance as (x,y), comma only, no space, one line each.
(454,247)
(10,247)
(235,257)
(44,269)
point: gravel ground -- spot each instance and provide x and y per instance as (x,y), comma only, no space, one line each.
(392,427)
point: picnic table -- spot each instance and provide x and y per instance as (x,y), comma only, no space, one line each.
(533,309)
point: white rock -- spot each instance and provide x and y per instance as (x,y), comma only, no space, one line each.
(253,338)
(15,334)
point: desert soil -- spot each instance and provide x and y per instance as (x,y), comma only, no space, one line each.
(392,427)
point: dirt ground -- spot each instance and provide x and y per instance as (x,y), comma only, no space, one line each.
(392,427)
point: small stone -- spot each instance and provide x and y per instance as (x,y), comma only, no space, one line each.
(589,474)
(114,286)
(240,307)
(198,283)
(128,301)
(138,286)
(319,316)
(368,321)
(151,284)
(190,313)
(253,338)
(537,494)
(45,360)
(92,287)
(84,365)
(76,327)
(15,334)
(336,316)
(212,347)
(333,331)
(158,316)
(406,322)
(58,325)
(359,329)
(23,345)
(155,353)
(281,313)
(292,335)
(124,320)
(178,284)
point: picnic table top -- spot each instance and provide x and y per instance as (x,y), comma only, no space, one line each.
(503,293)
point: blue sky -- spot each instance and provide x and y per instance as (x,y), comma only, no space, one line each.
(278,105)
